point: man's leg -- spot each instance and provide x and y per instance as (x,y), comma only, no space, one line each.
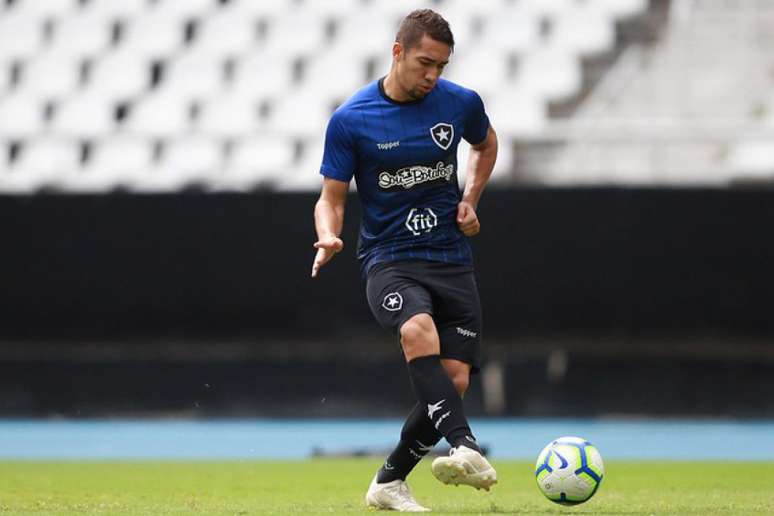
(418,435)
(432,385)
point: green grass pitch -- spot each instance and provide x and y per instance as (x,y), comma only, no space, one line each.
(337,486)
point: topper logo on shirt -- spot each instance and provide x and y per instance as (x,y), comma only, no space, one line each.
(443,134)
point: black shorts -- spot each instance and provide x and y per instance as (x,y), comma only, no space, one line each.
(447,292)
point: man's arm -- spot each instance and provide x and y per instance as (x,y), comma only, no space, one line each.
(479,168)
(328,221)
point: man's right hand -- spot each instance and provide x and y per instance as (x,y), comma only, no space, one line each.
(326,248)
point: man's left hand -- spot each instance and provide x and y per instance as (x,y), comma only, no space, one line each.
(467,220)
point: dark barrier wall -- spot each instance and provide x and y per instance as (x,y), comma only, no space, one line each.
(596,260)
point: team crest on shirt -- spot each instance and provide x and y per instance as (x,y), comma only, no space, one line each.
(393,302)
(443,134)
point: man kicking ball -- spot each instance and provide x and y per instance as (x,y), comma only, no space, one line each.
(398,138)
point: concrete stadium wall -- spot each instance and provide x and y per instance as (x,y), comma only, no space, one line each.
(596,261)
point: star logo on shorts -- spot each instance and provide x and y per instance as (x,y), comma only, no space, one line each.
(392,302)
(443,134)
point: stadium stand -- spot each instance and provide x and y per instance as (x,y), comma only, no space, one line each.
(162,95)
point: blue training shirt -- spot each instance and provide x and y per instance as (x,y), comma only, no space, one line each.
(403,156)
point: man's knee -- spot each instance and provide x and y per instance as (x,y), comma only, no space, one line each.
(459,374)
(461,382)
(419,337)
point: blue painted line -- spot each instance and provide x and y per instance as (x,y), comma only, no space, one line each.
(296,439)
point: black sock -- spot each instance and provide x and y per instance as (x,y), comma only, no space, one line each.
(416,439)
(434,388)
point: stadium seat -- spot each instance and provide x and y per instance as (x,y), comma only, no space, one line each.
(41,9)
(753,159)
(182,10)
(50,76)
(463,29)
(478,8)
(117,161)
(186,161)
(374,37)
(308,32)
(83,35)
(21,116)
(621,9)
(252,9)
(255,161)
(192,76)
(251,80)
(333,8)
(109,10)
(393,10)
(305,175)
(225,34)
(41,163)
(229,116)
(547,9)
(349,73)
(20,37)
(148,37)
(517,32)
(163,115)
(517,113)
(303,114)
(554,75)
(118,76)
(491,70)
(583,31)
(83,116)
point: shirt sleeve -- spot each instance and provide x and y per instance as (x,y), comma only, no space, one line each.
(339,151)
(477,123)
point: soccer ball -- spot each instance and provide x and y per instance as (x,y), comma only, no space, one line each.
(569,470)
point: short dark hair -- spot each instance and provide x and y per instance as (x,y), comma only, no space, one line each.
(421,22)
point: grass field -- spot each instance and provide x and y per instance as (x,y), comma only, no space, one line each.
(332,486)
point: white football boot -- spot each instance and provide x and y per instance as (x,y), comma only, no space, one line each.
(393,495)
(465,466)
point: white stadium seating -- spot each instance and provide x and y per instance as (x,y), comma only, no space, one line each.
(118,76)
(81,35)
(163,115)
(225,35)
(21,116)
(40,164)
(160,95)
(83,116)
(49,75)
(21,37)
(43,9)
(110,10)
(256,160)
(117,162)
(193,76)
(229,116)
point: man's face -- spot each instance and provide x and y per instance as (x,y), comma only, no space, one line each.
(418,68)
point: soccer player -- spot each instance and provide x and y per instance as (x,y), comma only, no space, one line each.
(398,137)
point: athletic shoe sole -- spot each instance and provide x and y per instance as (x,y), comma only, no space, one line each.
(452,472)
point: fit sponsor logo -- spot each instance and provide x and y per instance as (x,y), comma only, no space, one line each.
(409,177)
(421,220)
(442,134)
(392,302)
(388,145)
(466,333)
